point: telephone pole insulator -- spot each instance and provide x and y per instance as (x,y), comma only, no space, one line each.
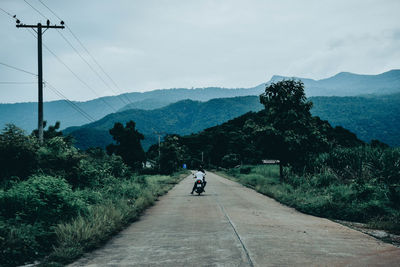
(39,32)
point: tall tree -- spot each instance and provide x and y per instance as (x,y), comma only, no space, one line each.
(128,144)
(294,134)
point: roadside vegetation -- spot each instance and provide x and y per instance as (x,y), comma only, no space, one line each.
(56,202)
(353,184)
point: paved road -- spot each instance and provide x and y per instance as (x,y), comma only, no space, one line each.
(234,226)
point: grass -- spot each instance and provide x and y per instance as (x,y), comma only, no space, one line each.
(323,194)
(121,207)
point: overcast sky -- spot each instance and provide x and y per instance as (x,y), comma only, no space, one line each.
(148,44)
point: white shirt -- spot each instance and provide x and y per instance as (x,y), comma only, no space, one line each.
(199,175)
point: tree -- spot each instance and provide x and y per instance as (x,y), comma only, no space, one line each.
(292,128)
(51,132)
(286,104)
(128,144)
(172,154)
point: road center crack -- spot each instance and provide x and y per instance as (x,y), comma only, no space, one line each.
(235,231)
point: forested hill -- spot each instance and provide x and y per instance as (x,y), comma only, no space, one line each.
(183,117)
(343,84)
(25,114)
(371,117)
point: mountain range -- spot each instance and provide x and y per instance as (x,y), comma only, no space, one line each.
(183,117)
(24,115)
(370,117)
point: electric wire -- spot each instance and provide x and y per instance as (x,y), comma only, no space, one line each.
(67,67)
(17,82)
(71,103)
(77,52)
(18,69)
(40,13)
(75,75)
(87,51)
(7,13)
(75,106)
(90,66)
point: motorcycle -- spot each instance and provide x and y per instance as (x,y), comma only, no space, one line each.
(199,187)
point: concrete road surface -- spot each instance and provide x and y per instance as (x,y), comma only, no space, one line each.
(231,225)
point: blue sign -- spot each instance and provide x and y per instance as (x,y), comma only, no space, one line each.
(184,166)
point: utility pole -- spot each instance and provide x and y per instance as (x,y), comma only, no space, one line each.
(39,32)
(159,148)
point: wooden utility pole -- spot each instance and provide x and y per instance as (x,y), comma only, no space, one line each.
(39,32)
(159,148)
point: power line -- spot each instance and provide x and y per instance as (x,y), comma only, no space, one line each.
(98,64)
(90,66)
(71,103)
(87,51)
(49,9)
(7,13)
(17,82)
(65,39)
(75,75)
(85,114)
(18,69)
(40,13)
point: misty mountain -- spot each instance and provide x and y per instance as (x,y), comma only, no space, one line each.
(183,117)
(350,84)
(24,115)
(370,117)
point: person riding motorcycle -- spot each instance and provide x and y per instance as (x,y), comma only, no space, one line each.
(199,175)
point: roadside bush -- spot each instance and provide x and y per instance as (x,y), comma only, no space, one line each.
(16,149)
(58,158)
(29,211)
(323,179)
(40,198)
(21,243)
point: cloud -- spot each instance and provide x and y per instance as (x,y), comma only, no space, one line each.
(145,45)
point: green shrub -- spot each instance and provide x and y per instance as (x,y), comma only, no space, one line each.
(15,149)
(29,211)
(325,178)
(40,198)
(267,170)
(21,243)
(58,158)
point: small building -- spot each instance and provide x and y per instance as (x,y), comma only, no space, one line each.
(270,161)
